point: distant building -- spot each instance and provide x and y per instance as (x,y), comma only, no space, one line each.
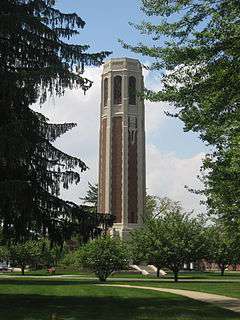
(122,145)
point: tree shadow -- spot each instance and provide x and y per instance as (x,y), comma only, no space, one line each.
(114,305)
(47,282)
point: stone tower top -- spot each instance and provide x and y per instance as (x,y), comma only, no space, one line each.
(122,64)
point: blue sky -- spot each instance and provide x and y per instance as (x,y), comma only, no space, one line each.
(106,22)
(173,156)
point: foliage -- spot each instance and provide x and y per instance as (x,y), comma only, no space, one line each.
(87,224)
(92,195)
(103,255)
(170,240)
(195,47)
(4,253)
(150,205)
(35,62)
(50,255)
(24,254)
(47,62)
(70,259)
(223,246)
(36,254)
(222,180)
(156,206)
(90,224)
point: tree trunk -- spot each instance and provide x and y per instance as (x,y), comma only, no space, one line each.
(102,279)
(222,270)
(175,276)
(158,272)
(22,270)
(102,276)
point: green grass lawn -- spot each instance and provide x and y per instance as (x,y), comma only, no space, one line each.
(208,275)
(44,272)
(214,275)
(48,299)
(229,275)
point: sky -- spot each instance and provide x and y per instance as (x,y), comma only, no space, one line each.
(173,157)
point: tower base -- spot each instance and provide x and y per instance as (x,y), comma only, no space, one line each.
(123,231)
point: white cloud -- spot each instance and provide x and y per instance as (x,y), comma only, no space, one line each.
(155,116)
(81,141)
(154,110)
(166,173)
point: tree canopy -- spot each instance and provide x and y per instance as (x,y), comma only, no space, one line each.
(33,50)
(223,248)
(36,62)
(195,48)
(23,254)
(103,256)
(91,195)
(170,239)
(87,224)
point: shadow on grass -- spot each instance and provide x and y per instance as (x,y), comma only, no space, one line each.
(124,306)
(206,275)
(170,280)
(47,282)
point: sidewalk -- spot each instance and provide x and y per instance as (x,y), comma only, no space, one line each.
(232,304)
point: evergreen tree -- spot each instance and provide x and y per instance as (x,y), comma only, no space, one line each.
(195,47)
(87,224)
(92,195)
(36,62)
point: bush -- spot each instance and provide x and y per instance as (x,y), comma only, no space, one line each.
(103,256)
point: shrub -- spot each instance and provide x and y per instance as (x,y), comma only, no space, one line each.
(103,255)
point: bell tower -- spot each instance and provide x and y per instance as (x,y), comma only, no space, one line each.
(122,145)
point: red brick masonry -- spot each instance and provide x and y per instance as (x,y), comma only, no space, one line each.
(132,181)
(102,182)
(117,168)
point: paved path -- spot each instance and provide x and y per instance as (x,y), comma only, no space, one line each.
(232,304)
(117,279)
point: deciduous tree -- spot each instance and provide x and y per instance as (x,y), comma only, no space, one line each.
(170,239)
(103,256)
(223,246)
(23,254)
(195,49)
